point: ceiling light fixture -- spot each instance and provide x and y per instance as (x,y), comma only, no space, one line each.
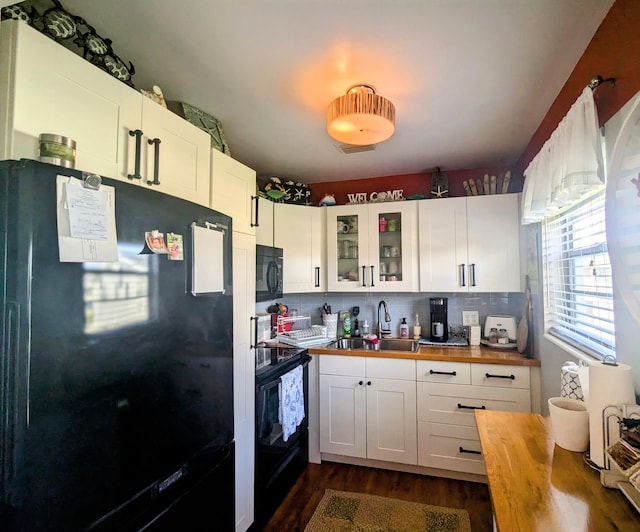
(361,117)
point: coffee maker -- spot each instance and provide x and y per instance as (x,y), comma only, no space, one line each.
(439,325)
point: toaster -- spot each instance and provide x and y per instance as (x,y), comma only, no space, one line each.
(501,322)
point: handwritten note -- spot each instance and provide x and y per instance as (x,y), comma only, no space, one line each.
(86,222)
(88,216)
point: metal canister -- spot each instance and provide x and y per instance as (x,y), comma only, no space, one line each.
(57,149)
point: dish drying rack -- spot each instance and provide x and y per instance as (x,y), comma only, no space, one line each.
(298,331)
(628,482)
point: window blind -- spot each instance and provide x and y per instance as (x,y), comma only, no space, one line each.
(577,278)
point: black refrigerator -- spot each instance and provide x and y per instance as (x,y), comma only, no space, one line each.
(116,390)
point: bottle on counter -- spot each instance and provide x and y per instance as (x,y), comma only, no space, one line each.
(404,329)
(356,328)
(365,328)
(346,326)
(417,329)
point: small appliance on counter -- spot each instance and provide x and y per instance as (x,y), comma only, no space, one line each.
(439,324)
(500,332)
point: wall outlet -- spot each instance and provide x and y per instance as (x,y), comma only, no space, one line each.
(470,317)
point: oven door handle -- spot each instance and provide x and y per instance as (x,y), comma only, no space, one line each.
(275,379)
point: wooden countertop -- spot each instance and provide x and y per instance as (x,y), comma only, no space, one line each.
(473,353)
(538,486)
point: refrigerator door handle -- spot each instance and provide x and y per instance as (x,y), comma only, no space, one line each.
(156,161)
(253,342)
(137,133)
(9,406)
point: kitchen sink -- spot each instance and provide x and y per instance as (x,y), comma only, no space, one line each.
(385,344)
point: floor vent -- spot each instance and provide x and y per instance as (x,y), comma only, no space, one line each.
(350,148)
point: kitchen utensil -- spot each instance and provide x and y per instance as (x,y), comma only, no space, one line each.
(522,334)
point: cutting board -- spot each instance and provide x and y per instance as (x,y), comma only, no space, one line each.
(522,333)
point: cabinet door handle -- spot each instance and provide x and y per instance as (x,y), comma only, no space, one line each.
(463,450)
(433,372)
(462,268)
(137,133)
(473,274)
(317,285)
(372,276)
(254,344)
(257,203)
(462,407)
(156,161)
(490,376)
(364,268)
(360,383)
(368,383)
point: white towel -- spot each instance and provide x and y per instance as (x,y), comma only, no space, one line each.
(291,401)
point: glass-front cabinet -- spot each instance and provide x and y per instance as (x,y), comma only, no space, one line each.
(374,247)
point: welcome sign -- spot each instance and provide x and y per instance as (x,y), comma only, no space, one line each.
(373,197)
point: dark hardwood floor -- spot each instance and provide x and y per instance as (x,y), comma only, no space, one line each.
(298,507)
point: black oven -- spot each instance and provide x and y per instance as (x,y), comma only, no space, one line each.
(268,273)
(278,462)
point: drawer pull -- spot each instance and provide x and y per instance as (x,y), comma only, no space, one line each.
(360,383)
(489,376)
(433,372)
(463,450)
(461,406)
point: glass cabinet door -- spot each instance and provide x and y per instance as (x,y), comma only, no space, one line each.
(347,250)
(393,229)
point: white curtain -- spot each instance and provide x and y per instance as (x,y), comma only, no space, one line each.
(569,165)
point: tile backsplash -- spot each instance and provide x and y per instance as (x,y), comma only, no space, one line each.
(404,305)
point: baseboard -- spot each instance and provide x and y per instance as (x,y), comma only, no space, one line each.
(406,468)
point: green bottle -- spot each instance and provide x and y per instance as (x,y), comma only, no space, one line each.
(346,326)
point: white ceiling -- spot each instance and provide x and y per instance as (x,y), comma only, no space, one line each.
(471,79)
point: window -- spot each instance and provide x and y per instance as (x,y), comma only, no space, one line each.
(578,292)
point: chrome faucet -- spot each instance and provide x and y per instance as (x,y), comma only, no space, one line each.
(384,330)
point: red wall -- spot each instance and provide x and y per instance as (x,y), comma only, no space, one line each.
(614,52)
(410,183)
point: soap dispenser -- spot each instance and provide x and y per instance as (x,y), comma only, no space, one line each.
(404,329)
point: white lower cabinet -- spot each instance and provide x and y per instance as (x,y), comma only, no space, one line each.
(448,393)
(368,408)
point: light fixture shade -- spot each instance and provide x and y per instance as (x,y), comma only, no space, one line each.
(361,117)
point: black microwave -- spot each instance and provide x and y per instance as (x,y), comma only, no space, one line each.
(268,273)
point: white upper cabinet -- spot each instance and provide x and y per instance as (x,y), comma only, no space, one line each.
(372,247)
(493,232)
(264,216)
(176,154)
(470,244)
(50,89)
(299,231)
(233,191)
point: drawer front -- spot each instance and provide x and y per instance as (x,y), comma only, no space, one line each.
(446,372)
(342,365)
(500,376)
(455,403)
(450,447)
(391,368)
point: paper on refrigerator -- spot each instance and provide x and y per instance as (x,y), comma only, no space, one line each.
(86,222)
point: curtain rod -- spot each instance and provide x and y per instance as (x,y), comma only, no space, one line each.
(597,81)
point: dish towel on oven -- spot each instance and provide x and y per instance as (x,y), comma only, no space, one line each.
(291,395)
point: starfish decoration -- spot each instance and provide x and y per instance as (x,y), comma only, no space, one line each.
(439,193)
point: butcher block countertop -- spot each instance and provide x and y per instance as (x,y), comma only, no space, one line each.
(474,353)
(537,486)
